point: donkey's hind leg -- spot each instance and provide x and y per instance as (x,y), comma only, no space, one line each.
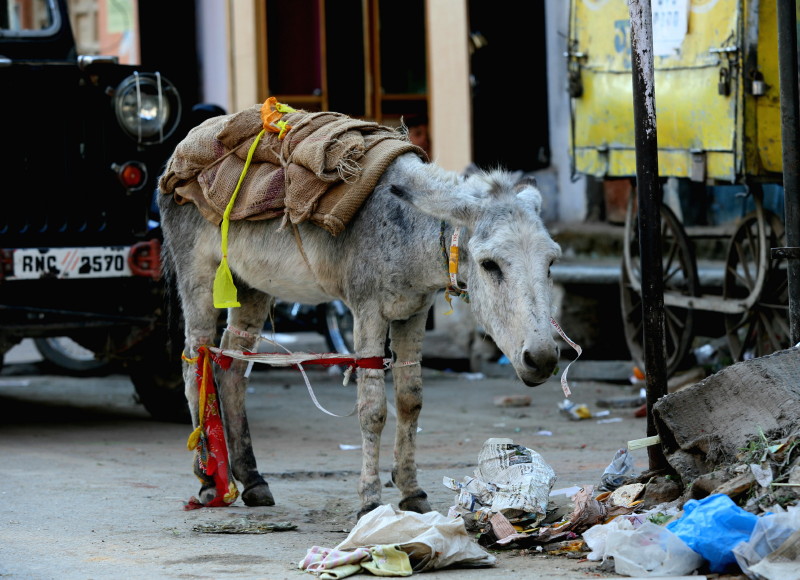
(407,337)
(245,324)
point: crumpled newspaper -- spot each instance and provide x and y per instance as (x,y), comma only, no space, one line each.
(510,479)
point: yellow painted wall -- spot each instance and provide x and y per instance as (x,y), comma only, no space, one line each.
(739,134)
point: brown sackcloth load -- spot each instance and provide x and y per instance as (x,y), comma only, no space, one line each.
(322,171)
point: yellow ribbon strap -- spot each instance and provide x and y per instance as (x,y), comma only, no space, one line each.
(453,289)
(225,295)
(224,288)
(453,263)
(194,437)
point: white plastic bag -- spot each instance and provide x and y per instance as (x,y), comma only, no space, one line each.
(650,550)
(769,534)
(431,540)
(596,537)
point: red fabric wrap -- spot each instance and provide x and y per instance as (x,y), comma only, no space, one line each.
(372,362)
(211,450)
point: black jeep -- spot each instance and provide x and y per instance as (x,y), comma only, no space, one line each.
(84,141)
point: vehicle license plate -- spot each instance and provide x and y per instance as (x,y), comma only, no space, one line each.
(68,263)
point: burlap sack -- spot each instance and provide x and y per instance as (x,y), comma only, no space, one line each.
(322,171)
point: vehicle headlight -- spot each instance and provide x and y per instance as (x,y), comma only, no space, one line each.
(148,107)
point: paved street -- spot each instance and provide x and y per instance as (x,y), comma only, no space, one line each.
(93,488)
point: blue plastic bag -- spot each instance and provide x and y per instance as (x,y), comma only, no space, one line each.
(713,527)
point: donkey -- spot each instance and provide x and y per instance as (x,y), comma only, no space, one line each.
(387,266)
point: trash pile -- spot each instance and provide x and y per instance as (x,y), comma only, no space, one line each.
(642,526)
(729,501)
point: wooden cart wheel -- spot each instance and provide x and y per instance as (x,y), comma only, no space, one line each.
(764,328)
(679,275)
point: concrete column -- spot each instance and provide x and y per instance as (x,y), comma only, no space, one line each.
(212,43)
(449,99)
(571,194)
(243,57)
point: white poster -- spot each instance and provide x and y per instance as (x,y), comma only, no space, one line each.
(670,24)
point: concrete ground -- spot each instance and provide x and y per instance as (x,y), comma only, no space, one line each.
(93,488)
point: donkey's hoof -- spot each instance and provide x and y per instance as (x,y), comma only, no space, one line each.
(258,494)
(366,508)
(416,503)
(207,493)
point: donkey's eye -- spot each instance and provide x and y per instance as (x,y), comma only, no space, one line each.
(492,268)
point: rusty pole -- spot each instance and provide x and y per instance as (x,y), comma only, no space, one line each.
(787,55)
(649,195)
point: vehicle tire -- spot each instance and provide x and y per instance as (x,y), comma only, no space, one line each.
(338,326)
(157,376)
(67,354)
(161,392)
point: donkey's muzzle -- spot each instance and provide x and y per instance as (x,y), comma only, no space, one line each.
(537,367)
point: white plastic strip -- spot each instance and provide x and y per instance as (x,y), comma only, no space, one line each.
(646,442)
(578,349)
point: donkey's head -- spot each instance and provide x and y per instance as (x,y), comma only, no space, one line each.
(505,264)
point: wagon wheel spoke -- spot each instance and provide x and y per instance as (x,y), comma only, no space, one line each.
(773,330)
(675,324)
(738,329)
(761,339)
(763,329)
(671,274)
(773,327)
(671,264)
(673,335)
(679,274)
(747,261)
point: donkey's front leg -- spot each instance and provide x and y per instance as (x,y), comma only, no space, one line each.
(370,338)
(197,336)
(407,337)
(245,325)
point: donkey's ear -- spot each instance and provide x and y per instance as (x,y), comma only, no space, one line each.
(457,205)
(528,194)
(524,182)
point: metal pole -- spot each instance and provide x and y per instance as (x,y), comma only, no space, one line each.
(649,196)
(787,58)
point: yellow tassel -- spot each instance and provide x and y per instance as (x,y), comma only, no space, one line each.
(225,295)
(224,288)
(449,302)
(194,438)
(232,494)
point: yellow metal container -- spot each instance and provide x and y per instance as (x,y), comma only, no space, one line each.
(716,89)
